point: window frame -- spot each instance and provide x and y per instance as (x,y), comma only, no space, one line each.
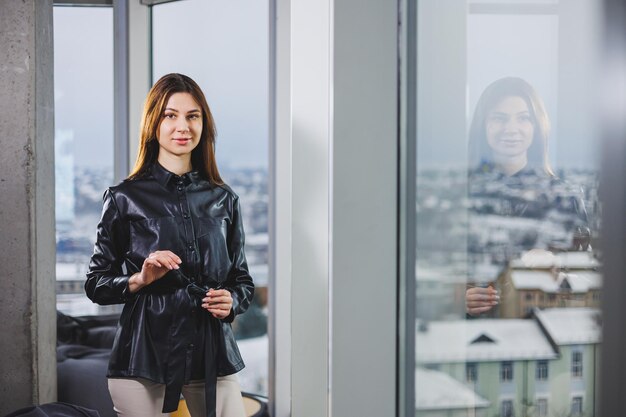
(471,372)
(577,364)
(542,407)
(506,371)
(577,406)
(542,371)
(506,408)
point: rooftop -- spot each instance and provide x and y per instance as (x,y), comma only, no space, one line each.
(481,340)
(437,390)
(579,282)
(571,326)
(539,258)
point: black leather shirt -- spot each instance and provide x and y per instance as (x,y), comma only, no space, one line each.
(164,335)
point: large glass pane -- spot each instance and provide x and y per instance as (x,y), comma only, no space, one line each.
(83,100)
(224,47)
(507,265)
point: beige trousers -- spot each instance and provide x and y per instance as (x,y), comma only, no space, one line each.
(138,397)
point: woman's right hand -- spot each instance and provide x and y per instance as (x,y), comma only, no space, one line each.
(154,267)
(479,300)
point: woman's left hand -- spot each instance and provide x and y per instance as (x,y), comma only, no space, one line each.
(218,303)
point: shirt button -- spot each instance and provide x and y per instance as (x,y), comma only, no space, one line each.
(190,246)
(185,215)
(179,188)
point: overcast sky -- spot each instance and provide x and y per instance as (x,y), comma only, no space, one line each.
(223,45)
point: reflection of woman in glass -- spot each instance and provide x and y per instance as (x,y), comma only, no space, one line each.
(508,146)
(170,247)
(510,129)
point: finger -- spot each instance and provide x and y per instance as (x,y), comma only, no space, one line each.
(481,303)
(476,311)
(173,259)
(166,257)
(167,261)
(486,290)
(220,314)
(475,294)
(483,297)
(479,299)
(479,310)
(218,292)
(152,262)
(172,256)
(221,306)
(216,300)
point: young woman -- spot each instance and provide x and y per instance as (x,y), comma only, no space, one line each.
(510,129)
(508,148)
(170,247)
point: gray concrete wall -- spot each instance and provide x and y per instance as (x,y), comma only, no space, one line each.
(27,310)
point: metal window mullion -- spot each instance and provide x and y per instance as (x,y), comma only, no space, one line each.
(407,137)
(83,3)
(120,90)
(279,222)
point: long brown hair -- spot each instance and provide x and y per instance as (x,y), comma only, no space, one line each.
(203,156)
(479,149)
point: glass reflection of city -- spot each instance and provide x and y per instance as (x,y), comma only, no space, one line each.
(536,352)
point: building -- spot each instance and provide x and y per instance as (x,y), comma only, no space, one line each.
(541,279)
(443,395)
(543,366)
(576,335)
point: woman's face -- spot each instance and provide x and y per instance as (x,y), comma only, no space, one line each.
(181,125)
(509,128)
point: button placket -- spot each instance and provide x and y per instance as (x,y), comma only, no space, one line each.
(189,234)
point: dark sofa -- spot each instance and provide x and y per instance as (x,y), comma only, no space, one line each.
(83,351)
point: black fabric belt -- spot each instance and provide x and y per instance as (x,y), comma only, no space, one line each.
(212,328)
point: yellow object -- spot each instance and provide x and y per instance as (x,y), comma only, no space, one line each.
(252,407)
(182,410)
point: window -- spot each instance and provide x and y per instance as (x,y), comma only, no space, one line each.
(506,408)
(577,364)
(542,371)
(432,366)
(83,99)
(506,371)
(471,372)
(227,53)
(484,222)
(542,407)
(577,406)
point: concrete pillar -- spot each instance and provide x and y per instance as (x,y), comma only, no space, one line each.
(27,244)
(343,204)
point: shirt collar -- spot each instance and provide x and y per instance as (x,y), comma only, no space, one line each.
(490,167)
(168,179)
